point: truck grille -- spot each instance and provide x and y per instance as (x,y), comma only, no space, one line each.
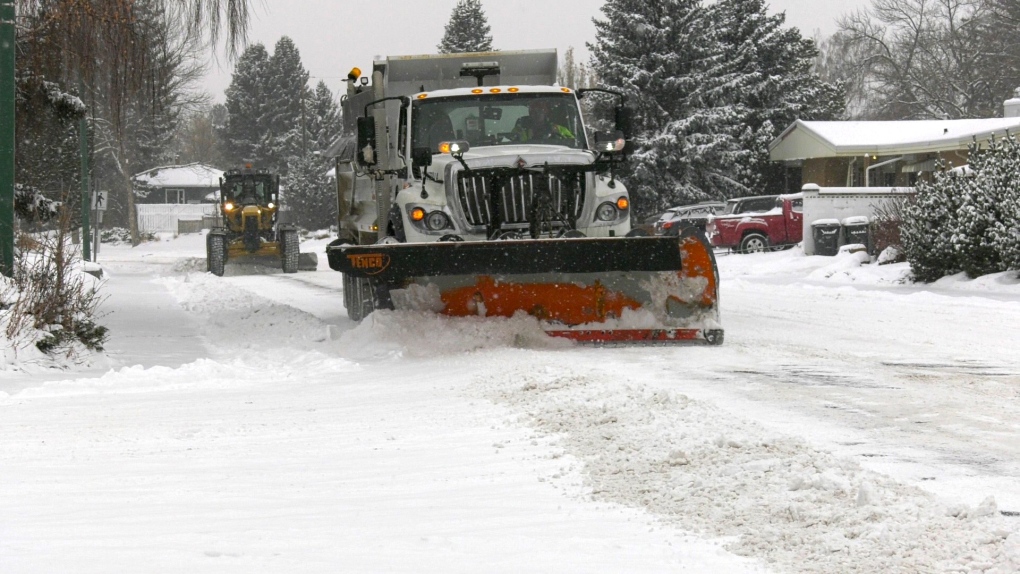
(516,195)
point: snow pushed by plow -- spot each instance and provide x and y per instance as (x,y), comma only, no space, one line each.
(776,498)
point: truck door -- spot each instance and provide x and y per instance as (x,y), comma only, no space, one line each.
(795,221)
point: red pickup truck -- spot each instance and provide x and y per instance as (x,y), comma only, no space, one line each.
(752,224)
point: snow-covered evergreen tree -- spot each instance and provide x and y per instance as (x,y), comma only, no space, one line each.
(968,220)
(286,107)
(324,123)
(1006,232)
(658,54)
(768,77)
(246,100)
(927,228)
(310,196)
(712,86)
(468,30)
(980,196)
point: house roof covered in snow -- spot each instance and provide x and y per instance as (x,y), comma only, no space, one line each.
(190,175)
(806,140)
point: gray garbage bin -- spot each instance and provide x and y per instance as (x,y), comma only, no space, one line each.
(825,233)
(857,230)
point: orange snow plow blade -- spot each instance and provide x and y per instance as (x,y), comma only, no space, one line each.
(591,290)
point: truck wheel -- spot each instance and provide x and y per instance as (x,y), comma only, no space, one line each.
(289,246)
(216,254)
(714,336)
(754,243)
(357,298)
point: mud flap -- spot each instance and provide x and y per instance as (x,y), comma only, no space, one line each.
(592,290)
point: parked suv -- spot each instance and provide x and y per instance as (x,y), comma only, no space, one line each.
(677,218)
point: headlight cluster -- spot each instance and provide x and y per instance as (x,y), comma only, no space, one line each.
(432,220)
(611,211)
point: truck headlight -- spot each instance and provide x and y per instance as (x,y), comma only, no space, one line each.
(606,212)
(437,220)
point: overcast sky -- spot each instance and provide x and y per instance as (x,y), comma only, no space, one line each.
(337,35)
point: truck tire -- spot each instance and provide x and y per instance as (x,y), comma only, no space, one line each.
(289,246)
(208,252)
(714,336)
(357,298)
(754,243)
(216,254)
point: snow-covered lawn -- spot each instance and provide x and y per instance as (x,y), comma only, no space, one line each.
(851,423)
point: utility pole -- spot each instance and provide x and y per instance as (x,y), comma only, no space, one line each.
(7,39)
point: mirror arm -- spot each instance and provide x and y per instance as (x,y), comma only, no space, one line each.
(460,158)
(584,91)
(404,102)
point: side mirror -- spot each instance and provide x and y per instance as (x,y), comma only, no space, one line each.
(366,141)
(421,157)
(610,143)
(624,119)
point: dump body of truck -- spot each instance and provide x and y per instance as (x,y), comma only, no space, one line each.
(474,188)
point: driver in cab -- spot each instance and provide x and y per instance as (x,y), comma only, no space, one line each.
(539,125)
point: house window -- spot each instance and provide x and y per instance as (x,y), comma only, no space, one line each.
(174,195)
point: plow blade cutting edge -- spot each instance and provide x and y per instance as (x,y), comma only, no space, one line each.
(592,290)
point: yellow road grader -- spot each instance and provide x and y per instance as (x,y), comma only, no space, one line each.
(248,228)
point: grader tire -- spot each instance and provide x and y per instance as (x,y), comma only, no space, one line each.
(289,245)
(216,254)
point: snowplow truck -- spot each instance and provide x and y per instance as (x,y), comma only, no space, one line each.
(468,185)
(247,223)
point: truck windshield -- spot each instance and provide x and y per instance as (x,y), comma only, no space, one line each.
(498,119)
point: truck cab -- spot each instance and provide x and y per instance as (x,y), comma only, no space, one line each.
(504,127)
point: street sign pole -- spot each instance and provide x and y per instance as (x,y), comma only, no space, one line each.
(95,241)
(99,202)
(7,39)
(83,144)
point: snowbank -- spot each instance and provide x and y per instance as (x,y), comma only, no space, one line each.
(775,497)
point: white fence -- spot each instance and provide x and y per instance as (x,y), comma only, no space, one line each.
(827,203)
(163,218)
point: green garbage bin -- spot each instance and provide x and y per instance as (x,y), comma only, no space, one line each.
(857,230)
(825,233)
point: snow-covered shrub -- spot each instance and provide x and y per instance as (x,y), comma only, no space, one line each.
(118,235)
(1006,231)
(49,301)
(886,225)
(967,220)
(927,227)
(31,205)
(991,179)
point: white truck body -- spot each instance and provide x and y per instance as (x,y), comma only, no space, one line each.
(376,205)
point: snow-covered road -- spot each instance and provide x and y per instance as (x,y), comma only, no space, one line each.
(849,424)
